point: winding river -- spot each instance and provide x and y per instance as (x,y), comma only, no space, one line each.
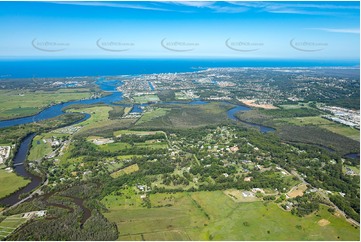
(57,110)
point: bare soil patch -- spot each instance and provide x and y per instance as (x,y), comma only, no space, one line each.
(297,191)
(323,222)
(252,103)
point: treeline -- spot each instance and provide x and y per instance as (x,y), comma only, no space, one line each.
(348,207)
(133,138)
(306,204)
(66,227)
(291,113)
(81,147)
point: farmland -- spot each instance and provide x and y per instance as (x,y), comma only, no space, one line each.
(9,224)
(215,216)
(146,98)
(149,116)
(126,170)
(39,149)
(10,182)
(22,103)
(182,115)
(318,121)
(189,170)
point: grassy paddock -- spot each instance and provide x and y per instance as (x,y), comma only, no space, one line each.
(10,182)
(9,224)
(148,116)
(146,98)
(325,124)
(215,216)
(39,148)
(126,170)
(16,103)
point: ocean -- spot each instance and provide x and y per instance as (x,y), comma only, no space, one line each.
(108,67)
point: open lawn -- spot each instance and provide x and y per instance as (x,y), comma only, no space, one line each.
(39,148)
(16,103)
(9,224)
(146,98)
(10,182)
(215,216)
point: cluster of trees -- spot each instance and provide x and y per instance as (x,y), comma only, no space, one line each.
(116,113)
(174,179)
(351,208)
(67,227)
(305,205)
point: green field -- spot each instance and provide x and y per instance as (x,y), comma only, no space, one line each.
(16,103)
(115,146)
(39,148)
(9,224)
(325,124)
(99,123)
(186,116)
(10,182)
(215,216)
(112,147)
(99,115)
(148,116)
(120,132)
(126,170)
(146,98)
(175,215)
(295,106)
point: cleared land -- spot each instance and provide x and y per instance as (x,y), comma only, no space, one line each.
(325,124)
(99,122)
(172,216)
(148,116)
(215,216)
(252,103)
(39,148)
(10,182)
(16,103)
(297,191)
(186,116)
(120,132)
(9,224)
(126,170)
(237,196)
(146,98)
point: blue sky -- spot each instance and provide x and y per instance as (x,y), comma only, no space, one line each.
(272,30)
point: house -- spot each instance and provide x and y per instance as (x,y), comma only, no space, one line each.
(257,190)
(234,148)
(247,179)
(247,194)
